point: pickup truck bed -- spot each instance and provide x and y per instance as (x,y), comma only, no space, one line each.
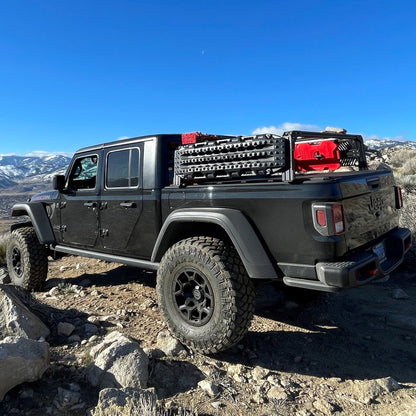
(279,213)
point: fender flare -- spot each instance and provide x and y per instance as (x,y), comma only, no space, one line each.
(38,218)
(241,233)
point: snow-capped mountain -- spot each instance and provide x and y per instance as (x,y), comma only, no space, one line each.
(378,144)
(29,171)
(24,176)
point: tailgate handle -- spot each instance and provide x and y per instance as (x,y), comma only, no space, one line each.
(373,183)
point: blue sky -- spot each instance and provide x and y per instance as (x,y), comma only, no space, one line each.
(74,73)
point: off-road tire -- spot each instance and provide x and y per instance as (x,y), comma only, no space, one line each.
(205,294)
(27,259)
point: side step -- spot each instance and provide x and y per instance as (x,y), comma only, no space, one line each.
(143,264)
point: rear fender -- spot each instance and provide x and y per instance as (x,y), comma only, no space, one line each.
(234,224)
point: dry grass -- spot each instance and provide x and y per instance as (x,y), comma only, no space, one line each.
(409,167)
(145,406)
(400,157)
(408,212)
(3,240)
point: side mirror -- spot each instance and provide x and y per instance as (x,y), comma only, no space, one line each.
(58,182)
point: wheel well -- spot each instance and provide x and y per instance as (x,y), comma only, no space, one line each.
(21,225)
(229,225)
(181,230)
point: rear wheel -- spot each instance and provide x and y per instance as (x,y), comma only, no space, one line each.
(27,259)
(205,294)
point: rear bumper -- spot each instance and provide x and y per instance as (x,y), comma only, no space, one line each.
(361,267)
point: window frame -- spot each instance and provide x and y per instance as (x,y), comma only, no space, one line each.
(130,150)
(72,167)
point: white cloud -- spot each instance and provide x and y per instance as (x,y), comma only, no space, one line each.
(280,129)
(123,138)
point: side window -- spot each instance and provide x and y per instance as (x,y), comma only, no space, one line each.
(123,169)
(84,173)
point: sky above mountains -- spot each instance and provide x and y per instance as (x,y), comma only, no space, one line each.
(74,73)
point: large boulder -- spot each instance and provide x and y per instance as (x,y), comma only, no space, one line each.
(21,360)
(169,345)
(118,362)
(367,391)
(16,319)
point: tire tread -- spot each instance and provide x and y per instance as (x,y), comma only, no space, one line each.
(238,295)
(34,257)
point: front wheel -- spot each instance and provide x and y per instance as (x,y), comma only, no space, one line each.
(205,294)
(27,259)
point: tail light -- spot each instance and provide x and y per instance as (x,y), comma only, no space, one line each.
(398,196)
(328,218)
(408,242)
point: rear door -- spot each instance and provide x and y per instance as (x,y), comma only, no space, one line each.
(121,200)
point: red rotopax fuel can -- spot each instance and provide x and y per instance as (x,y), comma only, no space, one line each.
(317,156)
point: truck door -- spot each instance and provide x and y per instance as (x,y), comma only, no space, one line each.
(80,202)
(121,200)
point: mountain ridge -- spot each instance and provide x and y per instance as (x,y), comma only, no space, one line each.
(378,144)
(30,171)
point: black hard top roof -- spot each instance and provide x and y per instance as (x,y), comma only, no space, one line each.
(129,140)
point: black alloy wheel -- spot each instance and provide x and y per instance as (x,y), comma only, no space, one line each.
(194,297)
(17,264)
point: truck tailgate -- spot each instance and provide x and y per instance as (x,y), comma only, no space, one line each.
(369,208)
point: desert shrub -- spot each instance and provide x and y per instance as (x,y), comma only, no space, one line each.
(3,240)
(409,167)
(2,254)
(407,182)
(403,162)
(400,157)
(408,212)
(66,288)
(142,407)
(408,220)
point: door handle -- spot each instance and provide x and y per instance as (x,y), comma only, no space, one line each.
(128,204)
(90,204)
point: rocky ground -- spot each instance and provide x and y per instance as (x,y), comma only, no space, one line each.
(335,354)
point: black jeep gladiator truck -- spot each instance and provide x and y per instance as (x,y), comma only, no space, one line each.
(213,215)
